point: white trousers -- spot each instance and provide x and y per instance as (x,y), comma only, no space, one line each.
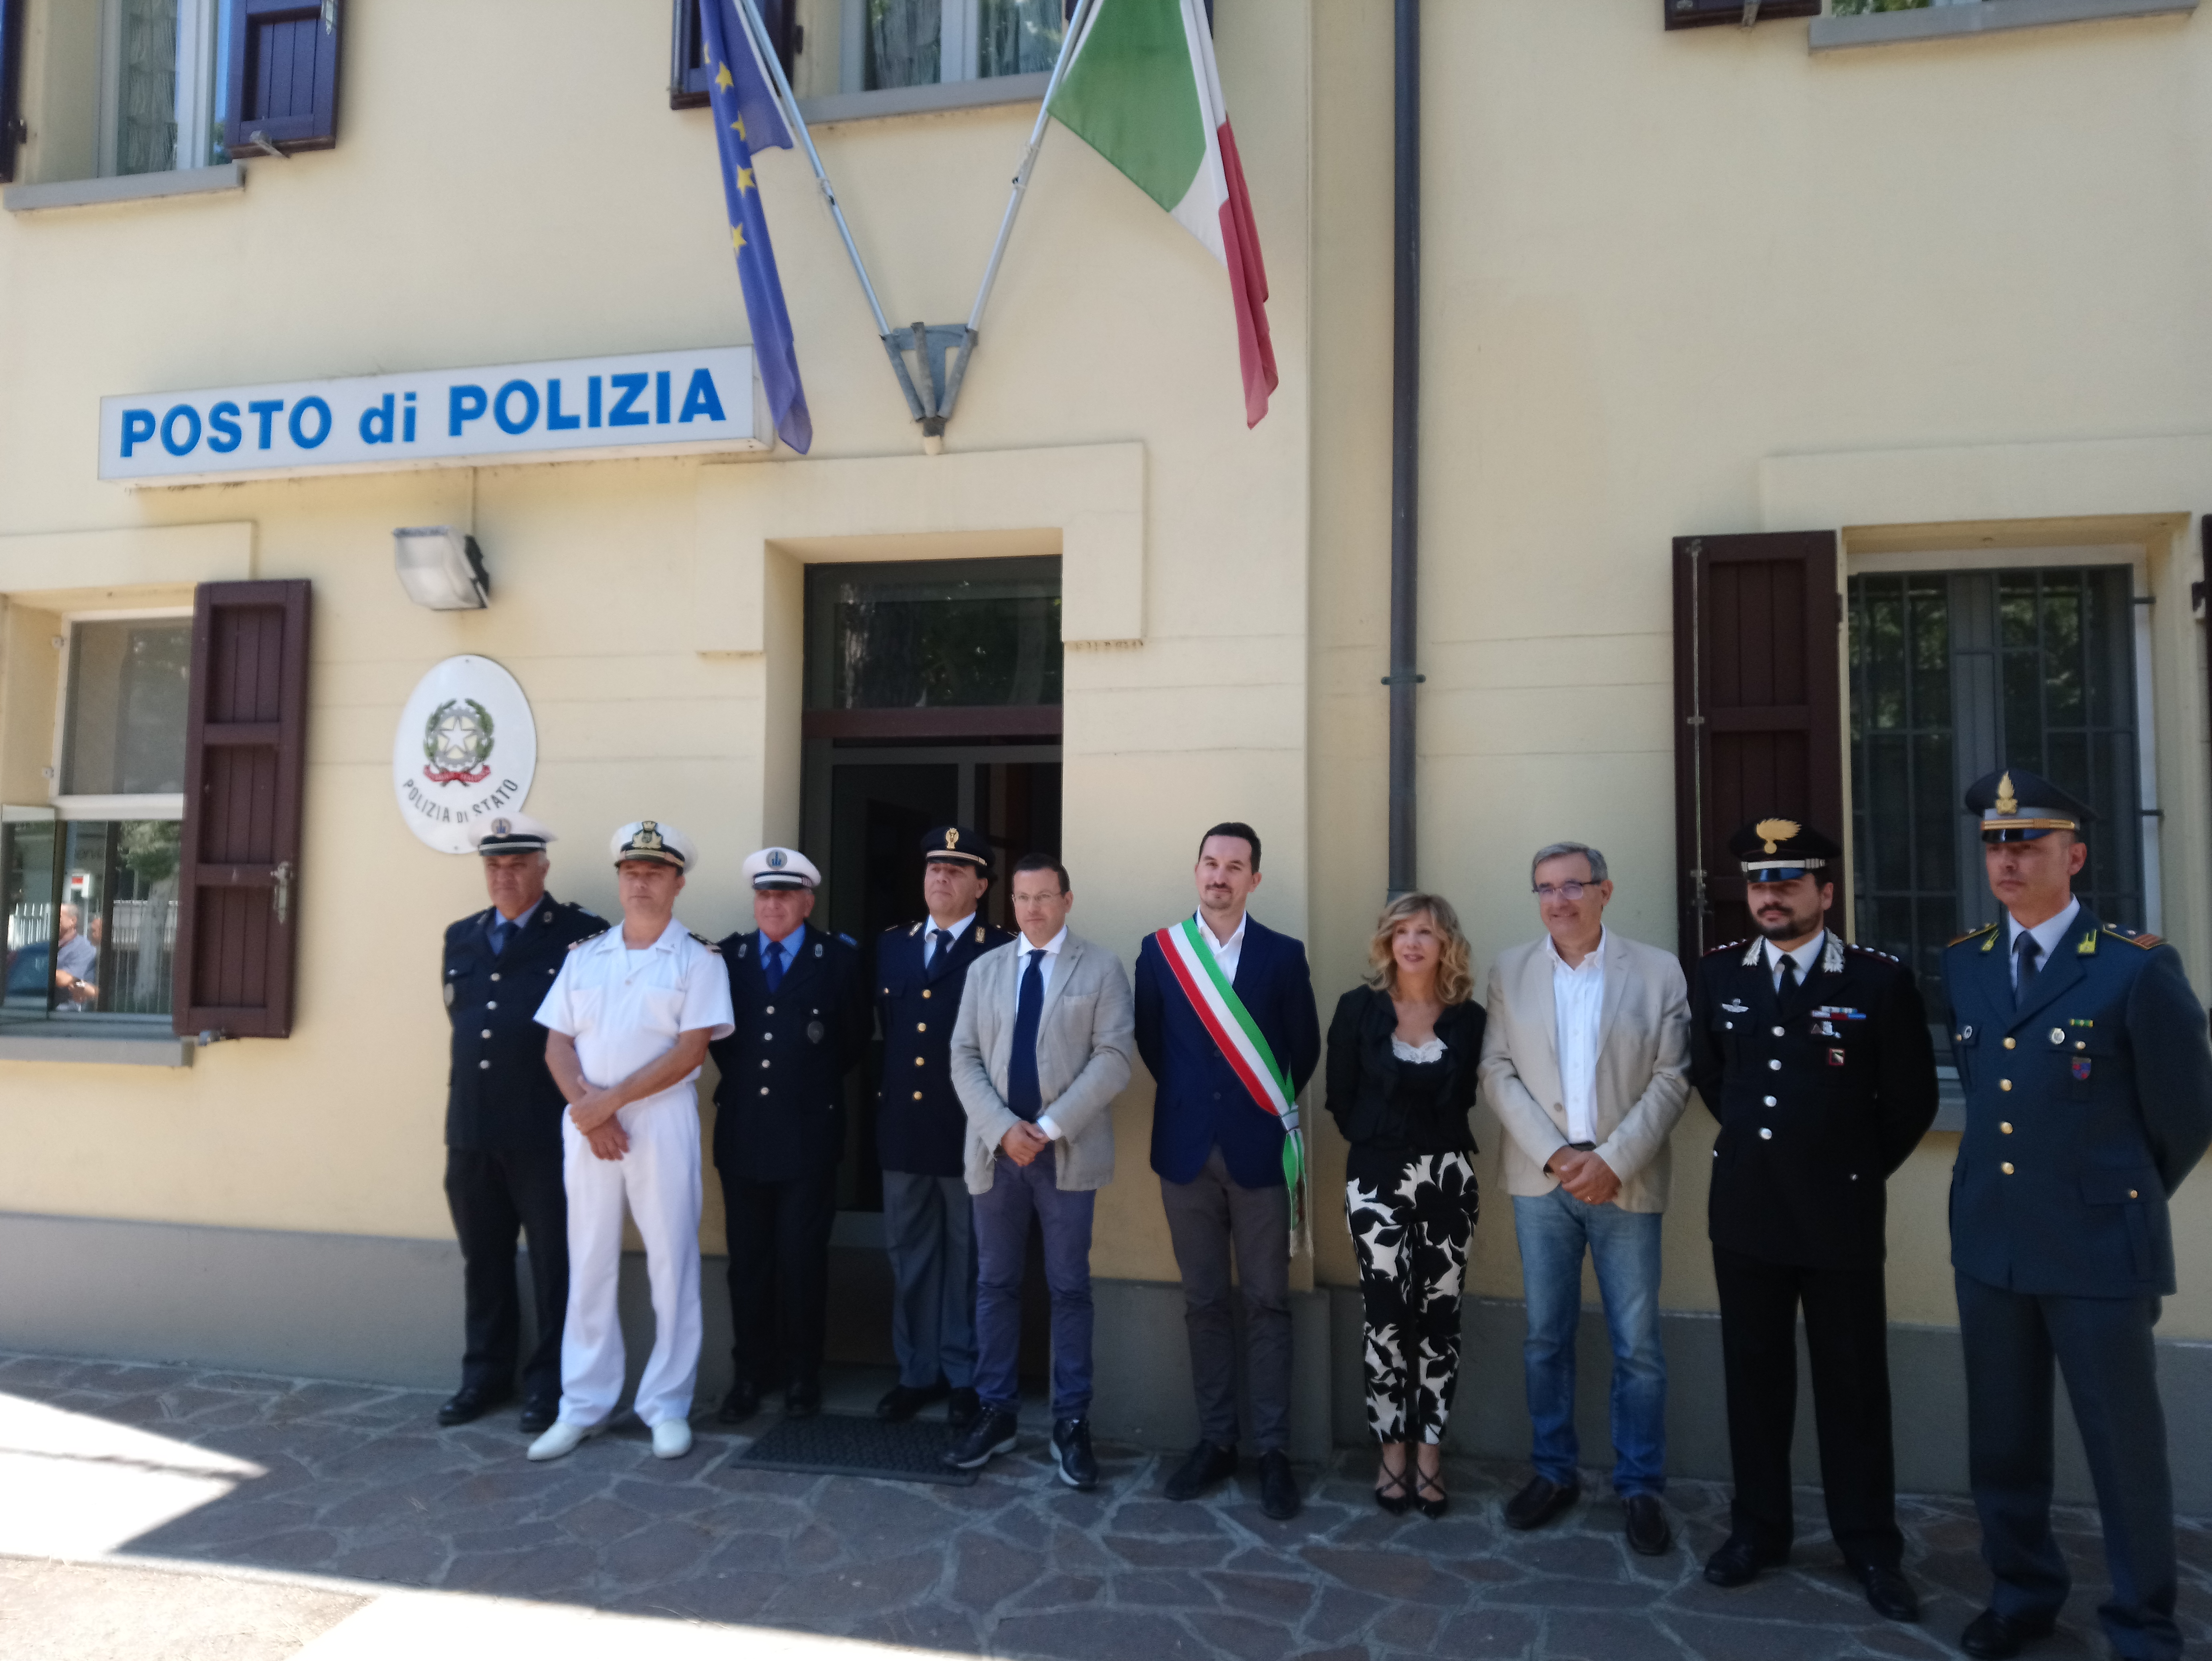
(660,1179)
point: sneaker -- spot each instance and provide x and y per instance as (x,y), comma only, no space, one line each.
(672,1438)
(1071,1450)
(992,1434)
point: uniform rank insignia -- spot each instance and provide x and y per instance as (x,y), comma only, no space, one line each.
(1736,1008)
(1836,1012)
(1835,1058)
(814,1031)
(2080,1067)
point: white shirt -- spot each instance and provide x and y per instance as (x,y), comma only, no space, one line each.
(625,1009)
(1226,953)
(1578,1001)
(929,937)
(2048,935)
(1045,964)
(1804,957)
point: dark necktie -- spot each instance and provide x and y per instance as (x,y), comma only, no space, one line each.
(2026,951)
(502,932)
(1023,1094)
(772,963)
(940,941)
(1788,983)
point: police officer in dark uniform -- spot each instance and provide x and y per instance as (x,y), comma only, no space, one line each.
(1815,1056)
(802,1021)
(921,1129)
(503,1123)
(2088,1082)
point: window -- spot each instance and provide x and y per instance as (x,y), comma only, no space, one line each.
(1953,674)
(919,43)
(955,633)
(687,78)
(89,880)
(164,83)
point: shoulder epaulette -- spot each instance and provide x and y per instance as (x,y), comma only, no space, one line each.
(850,941)
(1971,934)
(704,941)
(1856,950)
(594,935)
(2133,938)
(912,930)
(1732,945)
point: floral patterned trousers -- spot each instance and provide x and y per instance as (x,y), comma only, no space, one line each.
(1411,1234)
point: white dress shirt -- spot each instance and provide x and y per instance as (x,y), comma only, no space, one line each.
(929,936)
(1804,957)
(2048,934)
(1578,1001)
(1046,964)
(1229,952)
(625,1009)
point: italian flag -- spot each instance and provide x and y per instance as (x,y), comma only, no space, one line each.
(1141,89)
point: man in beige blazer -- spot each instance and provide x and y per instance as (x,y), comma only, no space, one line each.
(1042,1047)
(1585,1061)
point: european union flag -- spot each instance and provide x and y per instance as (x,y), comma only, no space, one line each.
(747,118)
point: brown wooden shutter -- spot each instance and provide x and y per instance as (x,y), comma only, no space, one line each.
(1700,14)
(244,759)
(1758,711)
(11,85)
(283,76)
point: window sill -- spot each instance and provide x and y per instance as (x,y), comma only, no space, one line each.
(1991,17)
(112,1046)
(834,108)
(131,187)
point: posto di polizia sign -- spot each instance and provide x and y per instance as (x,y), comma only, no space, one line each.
(648,402)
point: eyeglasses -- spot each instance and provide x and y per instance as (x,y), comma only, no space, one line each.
(1570,891)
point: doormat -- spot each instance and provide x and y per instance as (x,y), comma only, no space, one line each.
(840,1444)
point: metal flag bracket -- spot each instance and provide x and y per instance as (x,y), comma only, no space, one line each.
(932,384)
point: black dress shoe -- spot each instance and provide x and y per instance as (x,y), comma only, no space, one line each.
(1993,1637)
(1071,1450)
(963,1408)
(1206,1466)
(538,1416)
(740,1404)
(1540,1502)
(470,1403)
(803,1400)
(902,1402)
(1737,1563)
(1889,1594)
(1648,1532)
(992,1434)
(1278,1486)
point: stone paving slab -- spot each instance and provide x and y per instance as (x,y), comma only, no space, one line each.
(352,1483)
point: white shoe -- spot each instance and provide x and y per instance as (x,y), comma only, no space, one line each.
(672,1438)
(563,1438)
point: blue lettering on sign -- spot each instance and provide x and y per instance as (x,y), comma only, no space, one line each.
(169,430)
(699,398)
(463,403)
(632,387)
(499,407)
(660,397)
(555,421)
(267,409)
(407,420)
(223,428)
(593,402)
(376,421)
(137,427)
(298,427)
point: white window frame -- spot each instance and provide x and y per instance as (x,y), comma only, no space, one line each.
(167,807)
(959,44)
(195,102)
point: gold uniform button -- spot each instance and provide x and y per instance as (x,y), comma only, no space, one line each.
(2004,1084)
(2011,1044)
(2006,1167)
(2081,1043)
(925,995)
(921,1026)
(763,1063)
(764,1090)
(2132,1193)
(917,1095)
(2006,1127)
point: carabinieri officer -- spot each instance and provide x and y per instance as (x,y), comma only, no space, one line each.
(921,1129)
(802,1021)
(503,1123)
(1815,1056)
(2089,1085)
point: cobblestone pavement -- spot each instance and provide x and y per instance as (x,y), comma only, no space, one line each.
(357,1484)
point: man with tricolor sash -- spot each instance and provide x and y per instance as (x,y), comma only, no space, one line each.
(1225,1020)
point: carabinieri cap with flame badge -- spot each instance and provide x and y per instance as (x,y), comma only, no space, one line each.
(2020,806)
(1781,851)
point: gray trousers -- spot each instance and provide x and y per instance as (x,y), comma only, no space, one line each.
(931,1234)
(1206,1218)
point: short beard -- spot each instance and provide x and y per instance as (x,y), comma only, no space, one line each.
(1789,931)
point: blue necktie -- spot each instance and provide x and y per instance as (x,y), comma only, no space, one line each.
(772,963)
(1023,1093)
(501,931)
(941,943)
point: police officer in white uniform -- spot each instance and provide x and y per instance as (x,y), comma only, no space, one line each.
(630,1018)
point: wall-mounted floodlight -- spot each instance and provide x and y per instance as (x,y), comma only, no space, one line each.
(442,568)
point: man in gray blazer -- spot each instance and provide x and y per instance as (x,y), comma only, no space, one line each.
(1042,1047)
(1585,1061)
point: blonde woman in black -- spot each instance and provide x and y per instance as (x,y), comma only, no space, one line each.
(1402,1051)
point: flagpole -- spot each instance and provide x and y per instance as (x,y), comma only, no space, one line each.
(766,51)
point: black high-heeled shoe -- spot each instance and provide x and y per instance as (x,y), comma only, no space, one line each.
(1393,1495)
(1426,1485)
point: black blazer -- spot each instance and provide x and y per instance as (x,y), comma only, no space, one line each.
(499,1092)
(1362,1071)
(920,1126)
(780,1105)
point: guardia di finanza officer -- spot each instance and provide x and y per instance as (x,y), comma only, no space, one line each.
(2089,1084)
(921,1128)
(1815,1056)
(503,1123)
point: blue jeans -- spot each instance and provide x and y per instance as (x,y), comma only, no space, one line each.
(1002,1238)
(1553,1230)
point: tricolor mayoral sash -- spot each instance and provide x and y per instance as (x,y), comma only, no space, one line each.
(1244,1047)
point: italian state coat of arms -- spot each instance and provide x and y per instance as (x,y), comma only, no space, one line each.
(457,741)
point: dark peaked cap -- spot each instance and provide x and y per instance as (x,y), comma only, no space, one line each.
(2017,805)
(1778,850)
(958,844)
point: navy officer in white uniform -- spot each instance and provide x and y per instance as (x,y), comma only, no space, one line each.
(628,1021)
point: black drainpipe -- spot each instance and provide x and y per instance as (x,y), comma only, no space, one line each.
(1405,448)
